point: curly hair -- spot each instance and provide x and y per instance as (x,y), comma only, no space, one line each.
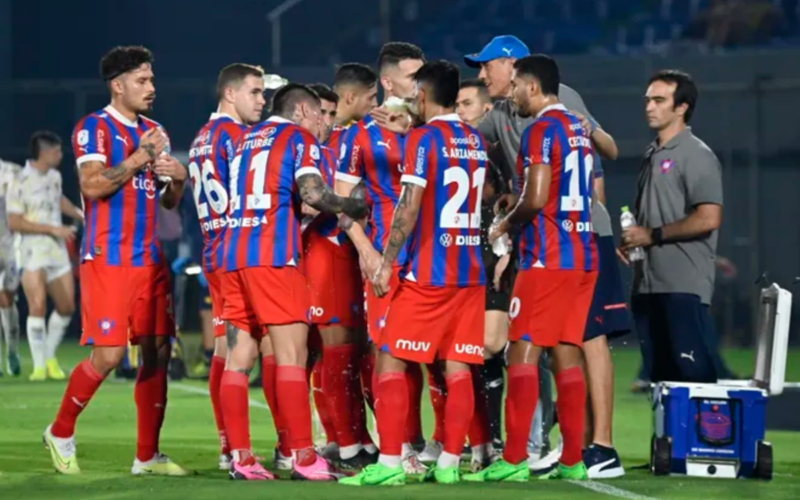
(120,60)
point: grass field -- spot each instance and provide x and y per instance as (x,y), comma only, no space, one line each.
(107,434)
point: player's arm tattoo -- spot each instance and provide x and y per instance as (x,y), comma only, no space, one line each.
(98,181)
(404,220)
(359,192)
(316,193)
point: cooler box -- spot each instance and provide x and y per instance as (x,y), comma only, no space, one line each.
(717,430)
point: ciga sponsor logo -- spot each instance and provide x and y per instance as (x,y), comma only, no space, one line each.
(415,346)
(141,183)
(469,349)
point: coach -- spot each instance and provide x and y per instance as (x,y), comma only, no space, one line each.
(679,211)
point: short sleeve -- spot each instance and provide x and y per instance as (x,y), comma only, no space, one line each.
(417,155)
(597,168)
(703,177)
(537,144)
(573,101)
(15,199)
(307,155)
(351,157)
(486,126)
(90,141)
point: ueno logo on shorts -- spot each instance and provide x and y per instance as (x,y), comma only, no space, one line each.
(416,346)
(317,311)
(469,349)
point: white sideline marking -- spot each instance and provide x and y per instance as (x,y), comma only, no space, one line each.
(203,391)
(609,490)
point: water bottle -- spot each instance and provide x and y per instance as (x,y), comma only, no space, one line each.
(627,220)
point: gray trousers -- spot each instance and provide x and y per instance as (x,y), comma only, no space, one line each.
(539,438)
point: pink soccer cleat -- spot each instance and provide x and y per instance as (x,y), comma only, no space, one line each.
(255,472)
(319,470)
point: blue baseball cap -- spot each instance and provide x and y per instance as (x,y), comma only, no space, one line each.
(500,46)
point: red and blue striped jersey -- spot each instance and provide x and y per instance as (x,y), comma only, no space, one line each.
(560,236)
(327,225)
(337,135)
(374,154)
(120,230)
(447,158)
(209,159)
(264,216)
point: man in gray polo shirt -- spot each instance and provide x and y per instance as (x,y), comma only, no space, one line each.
(609,315)
(678,211)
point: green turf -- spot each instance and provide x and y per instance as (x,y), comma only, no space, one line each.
(106,438)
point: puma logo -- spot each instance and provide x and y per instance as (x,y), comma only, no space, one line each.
(688,356)
(77,402)
(387,144)
(507,51)
(123,139)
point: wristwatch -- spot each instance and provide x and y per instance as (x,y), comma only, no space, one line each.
(658,236)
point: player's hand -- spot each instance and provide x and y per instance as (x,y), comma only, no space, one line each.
(498,231)
(380,280)
(505,203)
(392,120)
(586,123)
(152,144)
(308,210)
(635,237)
(623,256)
(169,166)
(370,262)
(66,233)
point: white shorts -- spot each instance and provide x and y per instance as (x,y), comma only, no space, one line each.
(51,258)
(9,273)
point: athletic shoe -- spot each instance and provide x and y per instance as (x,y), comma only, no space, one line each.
(449,475)
(329,452)
(159,465)
(13,364)
(498,445)
(483,457)
(200,370)
(255,472)
(377,475)
(320,470)
(54,371)
(640,387)
(431,452)
(602,462)
(501,471)
(575,472)
(225,461)
(282,462)
(63,452)
(355,464)
(38,375)
(412,465)
(540,465)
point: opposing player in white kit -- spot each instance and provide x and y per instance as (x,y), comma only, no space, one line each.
(35,205)
(9,278)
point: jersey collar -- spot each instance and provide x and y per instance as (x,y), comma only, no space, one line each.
(452,117)
(278,119)
(551,107)
(111,110)
(217,115)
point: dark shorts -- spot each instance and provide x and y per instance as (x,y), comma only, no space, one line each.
(205,298)
(609,314)
(676,335)
(496,301)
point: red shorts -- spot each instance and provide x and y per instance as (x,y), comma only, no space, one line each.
(215,290)
(426,321)
(377,307)
(119,303)
(334,278)
(550,306)
(255,297)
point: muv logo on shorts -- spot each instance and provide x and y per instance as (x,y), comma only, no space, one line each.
(415,346)
(469,349)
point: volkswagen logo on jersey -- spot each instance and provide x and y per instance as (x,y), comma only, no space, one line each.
(446,240)
(567,225)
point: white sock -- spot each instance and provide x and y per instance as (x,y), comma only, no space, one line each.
(9,318)
(447,460)
(392,461)
(347,452)
(37,340)
(407,449)
(371,448)
(56,328)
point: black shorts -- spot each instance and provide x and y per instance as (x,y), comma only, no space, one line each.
(609,314)
(676,336)
(496,301)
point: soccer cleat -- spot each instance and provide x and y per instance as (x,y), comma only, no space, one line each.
(431,452)
(13,364)
(412,465)
(377,475)
(449,475)
(282,462)
(602,462)
(200,370)
(254,472)
(159,465)
(320,470)
(543,464)
(355,464)
(501,471)
(330,451)
(225,461)
(575,472)
(38,375)
(63,452)
(54,371)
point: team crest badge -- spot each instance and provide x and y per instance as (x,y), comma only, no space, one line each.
(666,166)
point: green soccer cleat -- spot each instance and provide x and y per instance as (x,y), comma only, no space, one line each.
(449,475)
(575,472)
(377,475)
(501,471)
(62,453)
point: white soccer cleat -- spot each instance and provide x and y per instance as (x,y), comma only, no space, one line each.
(547,462)
(431,452)
(159,465)
(282,462)
(412,464)
(225,460)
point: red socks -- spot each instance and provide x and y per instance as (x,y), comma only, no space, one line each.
(392,400)
(337,386)
(414,420)
(479,429)
(214,384)
(235,399)
(268,385)
(321,401)
(151,402)
(571,405)
(523,395)
(458,411)
(438,390)
(295,407)
(83,383)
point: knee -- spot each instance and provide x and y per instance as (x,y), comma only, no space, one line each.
(66,310)
(37,306)
(220,347)
(156,351)
(106,359)
(292,354)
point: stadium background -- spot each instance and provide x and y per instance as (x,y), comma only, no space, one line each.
(747,112)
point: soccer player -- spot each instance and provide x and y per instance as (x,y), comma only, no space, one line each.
(125,171)
(558,270)
(35,205)
(274,170)
(356,85)
(240,93)
(438,306)
(473,101)
(375,154)
(9,277)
